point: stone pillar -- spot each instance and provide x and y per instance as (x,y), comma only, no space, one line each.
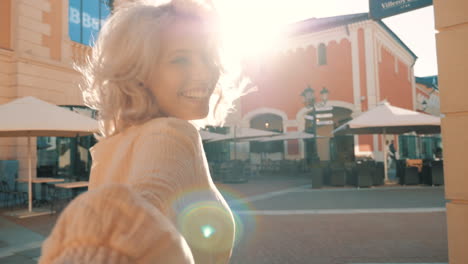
(451,21)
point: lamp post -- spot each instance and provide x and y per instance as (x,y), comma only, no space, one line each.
(310,102)
(424,105)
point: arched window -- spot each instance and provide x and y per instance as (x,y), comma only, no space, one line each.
(322,54)
(268,122)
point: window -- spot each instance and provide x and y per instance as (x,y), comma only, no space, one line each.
(217,151)
(322,54)
(85,19)
(407,146)
(66,156)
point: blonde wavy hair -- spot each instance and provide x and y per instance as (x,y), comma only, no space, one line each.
(118,70)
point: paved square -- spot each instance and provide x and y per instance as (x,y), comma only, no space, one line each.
(281,220)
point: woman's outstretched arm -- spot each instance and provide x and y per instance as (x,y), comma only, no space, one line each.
(113,224)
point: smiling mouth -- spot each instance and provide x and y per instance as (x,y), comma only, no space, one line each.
(196,94)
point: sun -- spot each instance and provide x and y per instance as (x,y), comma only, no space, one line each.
(247,32)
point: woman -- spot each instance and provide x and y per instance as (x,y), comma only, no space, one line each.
(151,199)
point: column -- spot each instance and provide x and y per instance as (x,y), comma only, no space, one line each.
(451,20)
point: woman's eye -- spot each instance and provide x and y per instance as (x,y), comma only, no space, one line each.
(209,61)
(180,60)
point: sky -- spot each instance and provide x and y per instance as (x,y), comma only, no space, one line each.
(249,17)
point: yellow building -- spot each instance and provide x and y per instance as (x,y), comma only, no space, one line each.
(451,22)
(37,54)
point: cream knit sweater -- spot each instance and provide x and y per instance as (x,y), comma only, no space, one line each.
(150,195)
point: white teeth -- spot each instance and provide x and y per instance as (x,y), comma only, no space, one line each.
(197,94)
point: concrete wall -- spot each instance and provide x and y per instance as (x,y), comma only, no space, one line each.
(451,20)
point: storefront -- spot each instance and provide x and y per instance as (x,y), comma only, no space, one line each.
(66,157)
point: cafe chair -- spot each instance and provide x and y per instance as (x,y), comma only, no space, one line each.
(10,197)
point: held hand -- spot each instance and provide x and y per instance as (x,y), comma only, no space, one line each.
(113,224)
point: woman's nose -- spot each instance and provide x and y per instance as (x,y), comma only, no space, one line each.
(202,71)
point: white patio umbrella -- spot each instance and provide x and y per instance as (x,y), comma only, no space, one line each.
(288,136)
(206,135)
(244,134)
(387,119)
(31,117)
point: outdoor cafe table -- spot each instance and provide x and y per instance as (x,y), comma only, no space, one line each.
(418,163)
(42,181)
(37,211)
(73,186)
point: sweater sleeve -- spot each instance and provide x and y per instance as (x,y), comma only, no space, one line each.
(162,161)
(113,224)
(163,170)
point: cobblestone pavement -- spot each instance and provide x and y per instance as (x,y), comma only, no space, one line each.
(340,239)
(375,198)
(341,225)
(262,184)
(281,220)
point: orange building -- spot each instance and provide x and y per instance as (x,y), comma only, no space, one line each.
(427,95)
(359,61)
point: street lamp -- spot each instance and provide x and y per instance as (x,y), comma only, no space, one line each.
(324,94)
(310,102)
(424,105)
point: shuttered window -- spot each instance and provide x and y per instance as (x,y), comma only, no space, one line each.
(322,54)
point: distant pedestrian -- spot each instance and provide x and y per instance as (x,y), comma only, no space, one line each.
(438,153)
(391,153)
(153,71)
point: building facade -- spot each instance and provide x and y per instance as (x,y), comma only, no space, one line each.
(40,41)
(358,61)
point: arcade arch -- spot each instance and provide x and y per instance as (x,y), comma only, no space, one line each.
(328,147)
(267,150)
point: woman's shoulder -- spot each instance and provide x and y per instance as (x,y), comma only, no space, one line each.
(171,134)
(158,131)
(169,127)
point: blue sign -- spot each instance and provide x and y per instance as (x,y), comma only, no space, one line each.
(384,8)
(85,19)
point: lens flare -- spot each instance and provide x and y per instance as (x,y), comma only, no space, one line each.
(207,231)
(207,225)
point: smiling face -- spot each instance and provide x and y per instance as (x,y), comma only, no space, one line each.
(185,74)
